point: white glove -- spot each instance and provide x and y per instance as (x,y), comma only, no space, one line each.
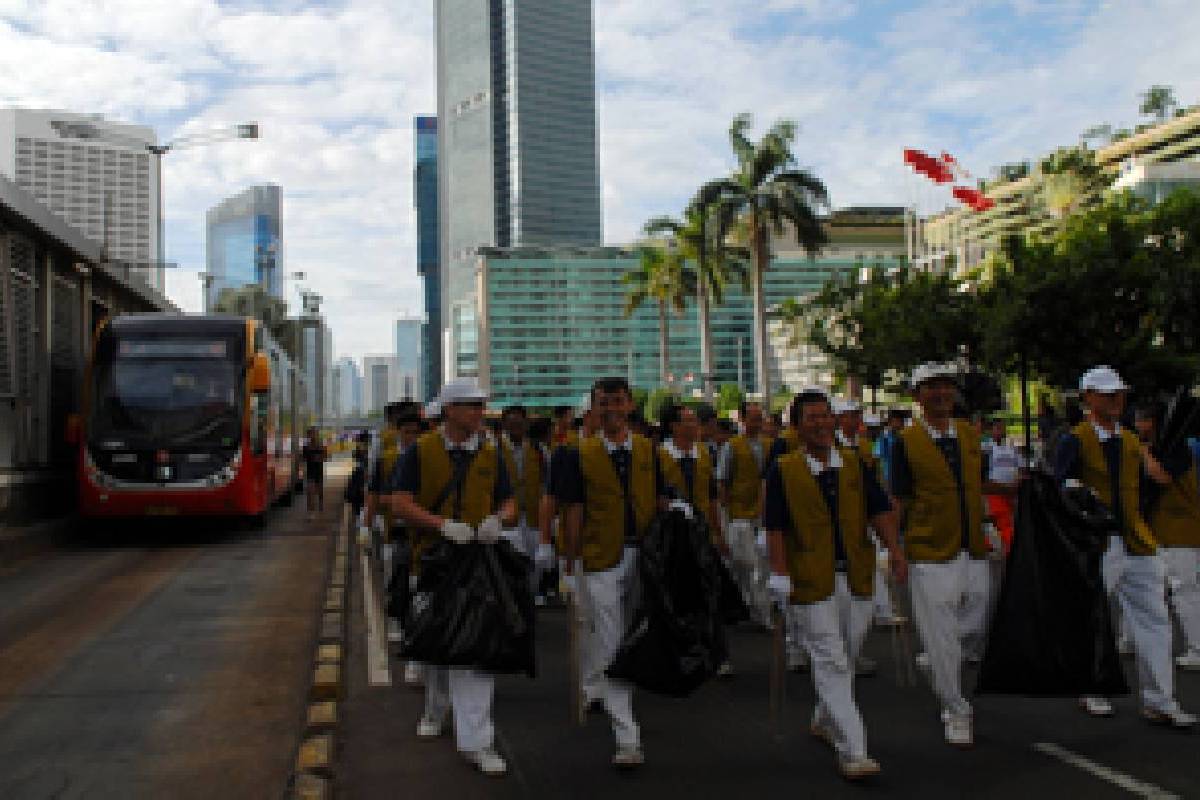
(780,587)
(882,560)
(682,506)
(457,532)
(543,557)
(490,530)
(364,536)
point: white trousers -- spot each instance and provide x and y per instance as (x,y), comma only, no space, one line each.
(750,569)
(1183,578)
(608,605)
(1138,585)
(820,629)
(854,615)
(468,693)
(526,540)
(882,597)
(949,601)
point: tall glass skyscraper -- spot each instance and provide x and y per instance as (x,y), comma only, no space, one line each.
(244,245)
(517,148)
(425,198)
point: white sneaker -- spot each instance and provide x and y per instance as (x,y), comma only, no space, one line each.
(628,756)
(1097,706)
(857,768)
(429,728)
(394,633)
(413,674)
(1189,661)
(487,761)
(959,730)
(1174,718)
(923,661)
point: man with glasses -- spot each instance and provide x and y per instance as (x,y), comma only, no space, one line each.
(453,482)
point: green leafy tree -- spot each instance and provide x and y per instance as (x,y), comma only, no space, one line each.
(639,399)
(766,195)
(1158,101)
(1071,181)
(657,400)
(713,260)
(659,278)
(729,398)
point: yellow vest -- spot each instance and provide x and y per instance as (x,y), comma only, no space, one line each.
(603,531)
(528,488)
(479,486)
(1176,521)
(792,437)
(934,524)
(1139,540)
(700,497)
(745,478)
(809,544)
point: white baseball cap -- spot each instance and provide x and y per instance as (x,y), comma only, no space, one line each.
(931,370)
(461,390)
(872,420)
(433,409)
(1103,379)
(842,405)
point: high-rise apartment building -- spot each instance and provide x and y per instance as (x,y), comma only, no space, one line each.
(96,174)
(425,199)
(517,147)
(384,382)
(409,351)
(244,243)
(347,388)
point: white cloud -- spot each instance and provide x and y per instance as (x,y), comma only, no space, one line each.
(335,89)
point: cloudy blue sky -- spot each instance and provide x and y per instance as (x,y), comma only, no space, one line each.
(335,86)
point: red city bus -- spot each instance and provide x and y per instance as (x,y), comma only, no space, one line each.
(188,415)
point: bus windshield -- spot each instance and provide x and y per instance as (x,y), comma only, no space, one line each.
(162,394)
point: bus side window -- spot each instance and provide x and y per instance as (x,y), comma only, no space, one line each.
(258,423)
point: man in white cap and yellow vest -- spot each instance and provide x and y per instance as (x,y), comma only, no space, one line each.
(454,482)
(611,487)
(1110,461)
(818,502)
(939,475)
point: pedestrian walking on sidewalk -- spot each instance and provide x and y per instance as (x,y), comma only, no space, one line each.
(314,455)
(454,482)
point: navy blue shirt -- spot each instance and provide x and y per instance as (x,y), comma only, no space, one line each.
(406,477)
(777,516)
(1068,464)
(568,485)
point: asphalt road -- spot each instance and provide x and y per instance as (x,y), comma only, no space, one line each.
(165,660)
(720,743)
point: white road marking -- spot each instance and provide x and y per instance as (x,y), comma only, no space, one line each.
(1119,779)
(379,673)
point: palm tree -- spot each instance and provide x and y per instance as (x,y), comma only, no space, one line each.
(712,261)
(766,193)
(1158,101)
(661,277)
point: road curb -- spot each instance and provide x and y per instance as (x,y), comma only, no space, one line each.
(312,777)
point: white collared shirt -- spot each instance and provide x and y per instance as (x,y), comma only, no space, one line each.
(613,447)
(845,440)
(518,456)
(935,434)
(817,467)
(1105,435)
(471,444)
(676,453)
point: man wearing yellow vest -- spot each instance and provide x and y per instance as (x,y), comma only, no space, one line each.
(1175,520)
(818,502)
(454,482)
(740,472)
(938,480)
(1110,461)
(611,486)
(523,461)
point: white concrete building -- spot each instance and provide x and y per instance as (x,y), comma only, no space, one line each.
(385,381)
(97,175)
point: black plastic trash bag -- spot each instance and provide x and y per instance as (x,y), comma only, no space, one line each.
(472,608)
(1052,632)
(676,639)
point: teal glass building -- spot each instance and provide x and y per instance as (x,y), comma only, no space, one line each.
(553,321)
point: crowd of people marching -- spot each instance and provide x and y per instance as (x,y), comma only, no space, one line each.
(820,515)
